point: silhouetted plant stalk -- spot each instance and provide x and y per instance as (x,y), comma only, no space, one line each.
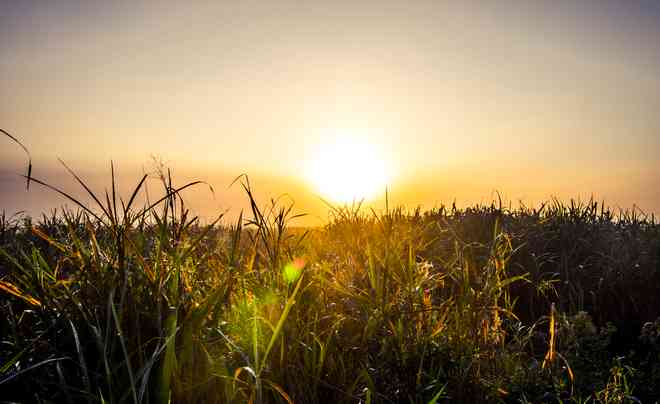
(120,303)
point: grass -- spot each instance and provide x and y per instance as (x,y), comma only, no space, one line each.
(118,303)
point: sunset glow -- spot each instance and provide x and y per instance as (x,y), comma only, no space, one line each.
(330,201)
(348,169)
(440,101)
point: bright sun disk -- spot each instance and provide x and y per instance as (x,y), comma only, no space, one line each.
(348,169)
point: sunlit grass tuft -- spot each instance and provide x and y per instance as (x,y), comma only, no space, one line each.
(123,303)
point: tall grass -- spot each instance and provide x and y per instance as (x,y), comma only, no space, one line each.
(119,303)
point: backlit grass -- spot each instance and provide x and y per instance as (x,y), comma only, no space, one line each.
(119,303)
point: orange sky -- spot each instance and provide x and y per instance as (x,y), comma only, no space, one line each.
(461,98)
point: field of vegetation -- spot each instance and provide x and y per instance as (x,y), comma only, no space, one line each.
(118,303)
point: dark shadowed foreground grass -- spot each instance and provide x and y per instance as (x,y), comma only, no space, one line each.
(124,304)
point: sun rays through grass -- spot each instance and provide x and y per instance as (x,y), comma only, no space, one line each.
(121,303)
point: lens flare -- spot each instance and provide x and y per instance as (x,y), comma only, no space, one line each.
(293,270)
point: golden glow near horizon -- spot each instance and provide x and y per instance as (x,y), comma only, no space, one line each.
(454,100)
(348,168)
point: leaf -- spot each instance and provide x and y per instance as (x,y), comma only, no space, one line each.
(13,290)
(29,170)
(280,390)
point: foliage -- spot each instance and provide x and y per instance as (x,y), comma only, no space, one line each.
(123,304)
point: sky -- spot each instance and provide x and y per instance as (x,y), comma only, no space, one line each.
(459,101)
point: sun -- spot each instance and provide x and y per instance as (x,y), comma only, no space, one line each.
(347,168)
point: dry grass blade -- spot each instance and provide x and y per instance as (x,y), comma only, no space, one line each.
(114,192)
(167,197)
(279,390)
(552,329)
(29,170)
(134,194)
(69,197)
(48,239)
(13,290)
(89,191)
